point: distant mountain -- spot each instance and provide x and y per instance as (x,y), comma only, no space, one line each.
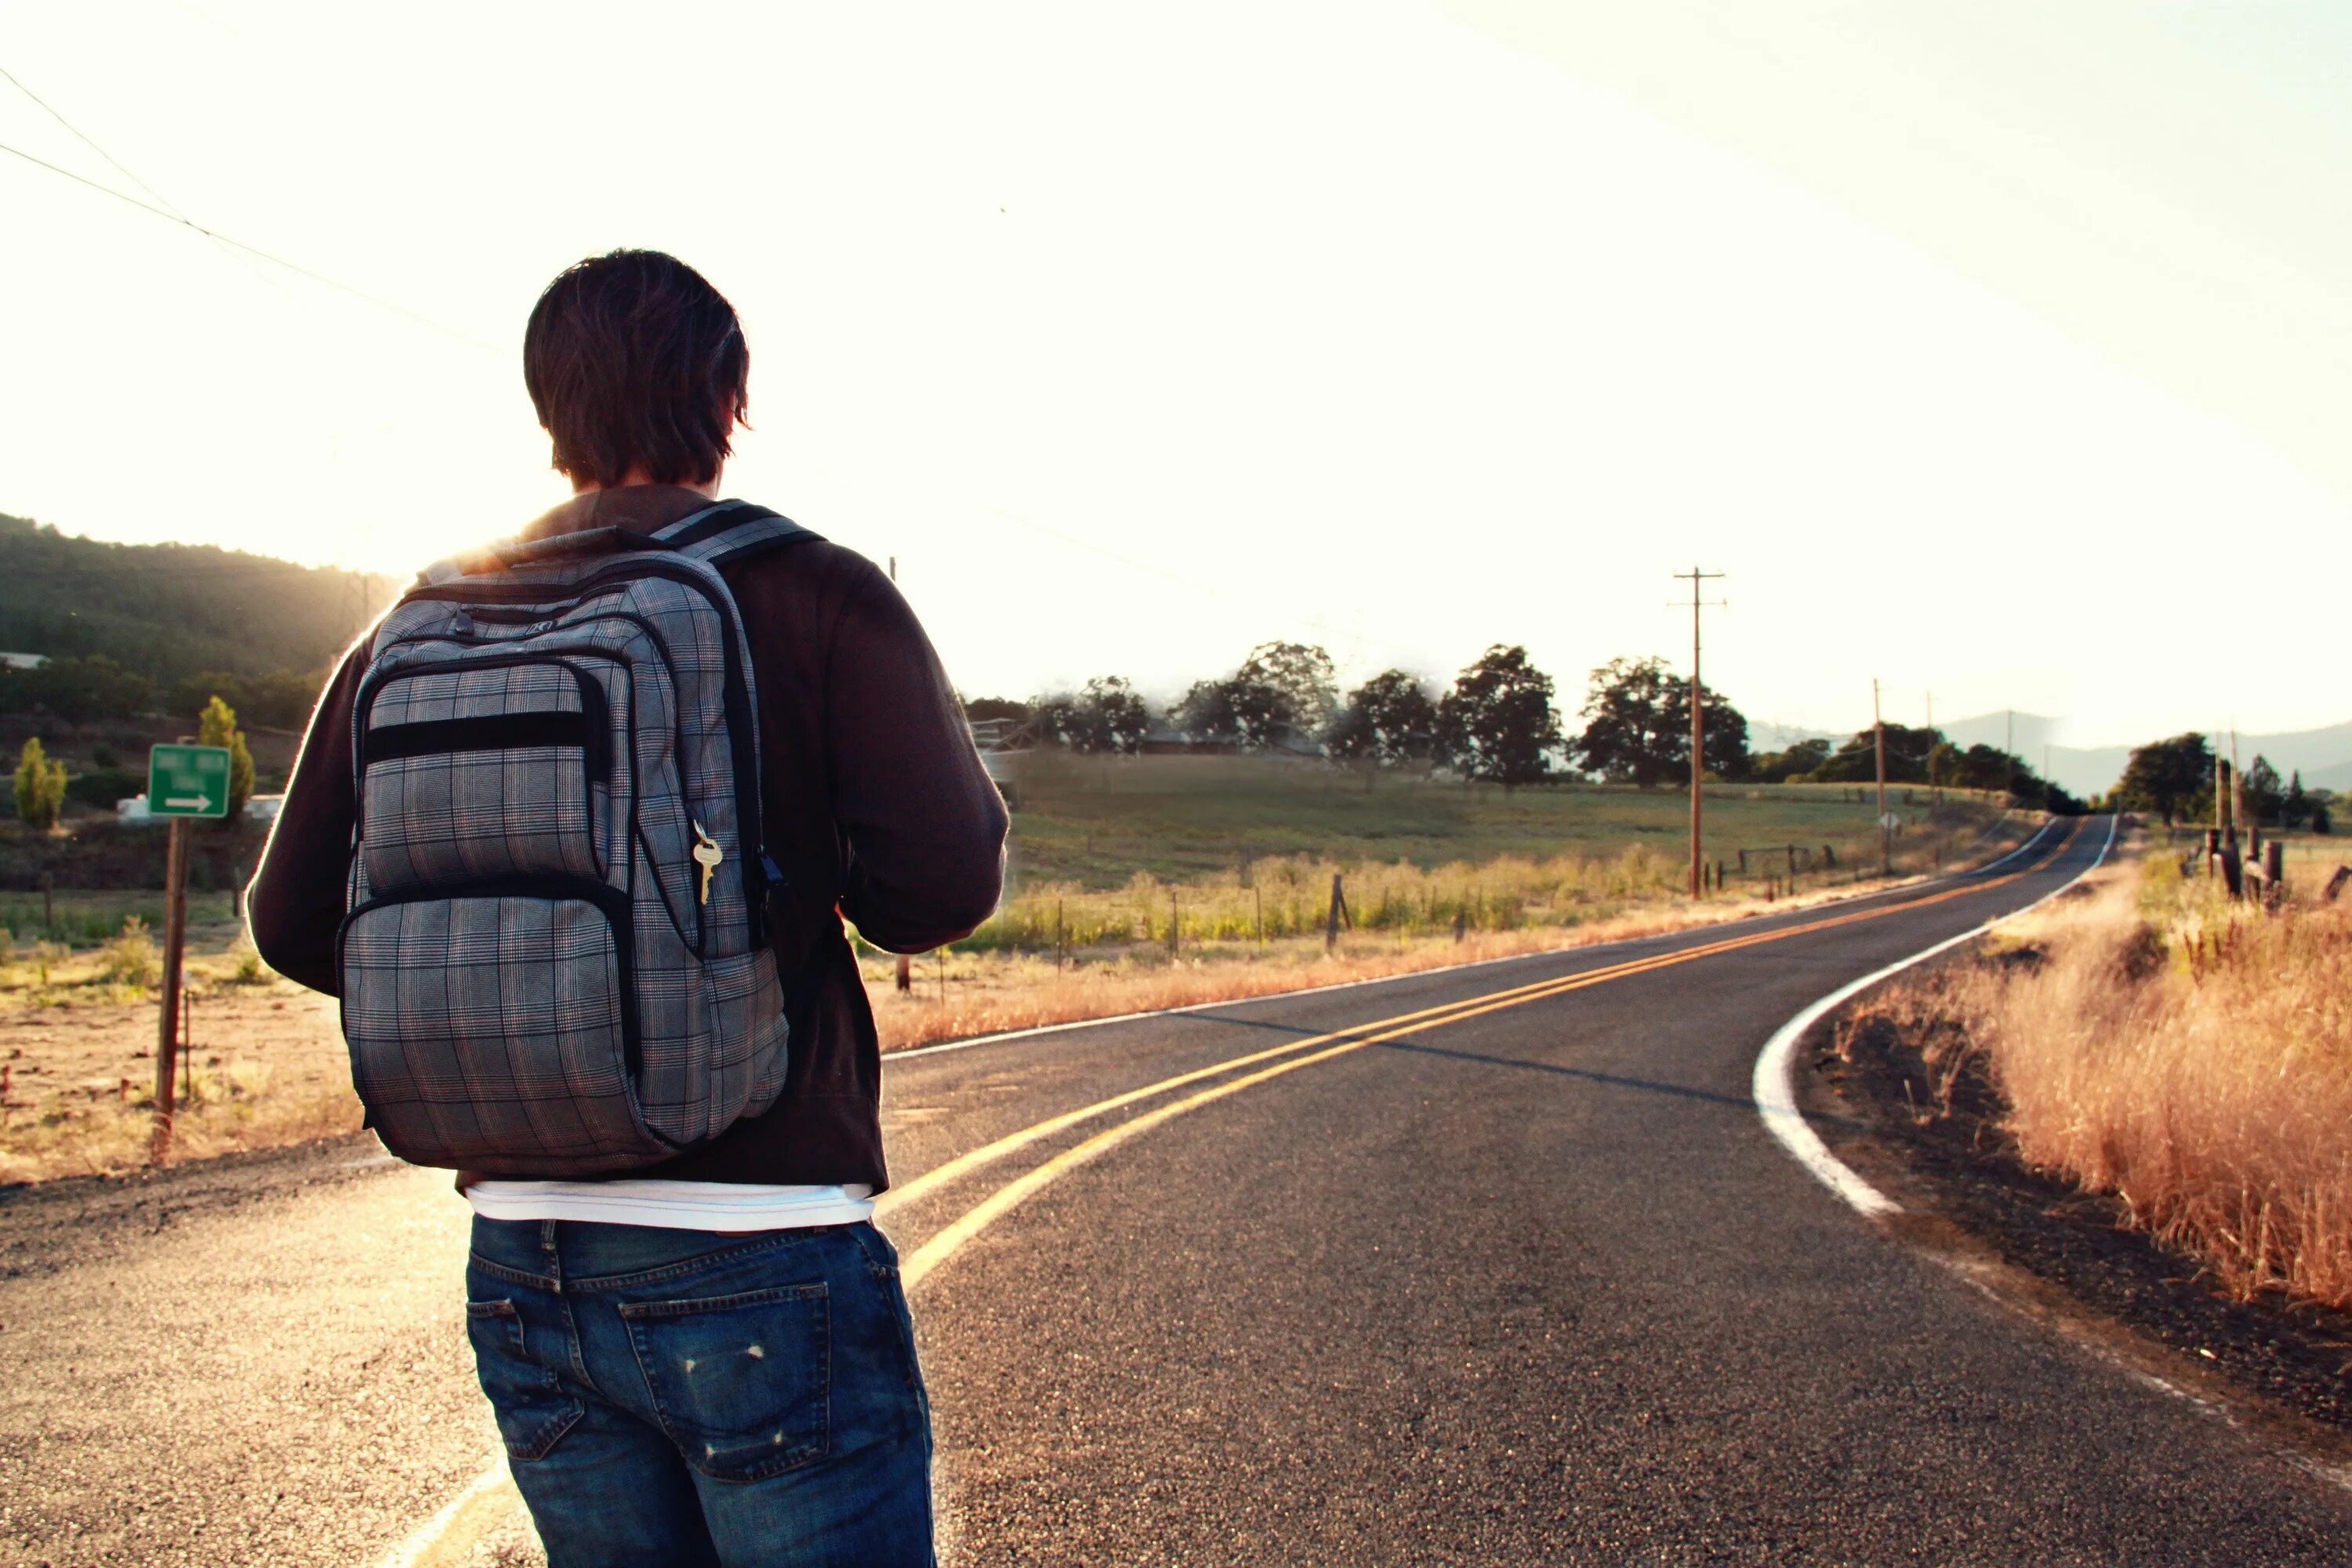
(169,611)
(2325,750)
(2324,756)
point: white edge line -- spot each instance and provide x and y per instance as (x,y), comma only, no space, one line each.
(998,1039)
(428,1535)
(1774,1086)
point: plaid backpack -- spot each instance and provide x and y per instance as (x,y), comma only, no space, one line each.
(553,962)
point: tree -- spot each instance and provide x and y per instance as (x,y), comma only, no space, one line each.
(2265,795)
(1117,718)
(1856,760)
(1388,721)
(1108,717)
(980,709)
(1637,726)
(1498,723)
(2166,776)
(1206,712)
(1283,691)
(216,726)
(78,689)
(40,787)
(1723,736)
(1775,767)
(1631,730)
(1302,688)
(2295,808)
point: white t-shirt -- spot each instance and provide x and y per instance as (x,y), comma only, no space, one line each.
(676,1206)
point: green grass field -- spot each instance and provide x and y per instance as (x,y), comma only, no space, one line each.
(1094,824)
(83,917)
(1109,853)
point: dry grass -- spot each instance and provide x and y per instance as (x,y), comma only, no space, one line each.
(78,1045)
(2189,1054)
(77,1023)
(960,993)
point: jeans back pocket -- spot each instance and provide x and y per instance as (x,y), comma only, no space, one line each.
(742,1383)
(532,1407)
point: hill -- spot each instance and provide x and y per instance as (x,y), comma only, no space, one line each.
(170,611)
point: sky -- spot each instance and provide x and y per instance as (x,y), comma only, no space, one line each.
(1994,351)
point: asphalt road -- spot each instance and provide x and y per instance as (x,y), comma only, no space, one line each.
(1523,1282)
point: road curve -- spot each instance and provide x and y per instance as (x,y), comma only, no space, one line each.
(1495,1264)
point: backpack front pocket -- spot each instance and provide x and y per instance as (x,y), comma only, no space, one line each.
(492,1031)
(480,772)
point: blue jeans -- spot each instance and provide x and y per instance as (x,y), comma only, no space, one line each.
(686,1397)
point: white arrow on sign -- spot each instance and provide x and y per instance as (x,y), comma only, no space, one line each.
(1890,822)
(185,800)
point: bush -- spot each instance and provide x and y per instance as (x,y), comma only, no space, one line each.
(40,786)
(101,787)
(77,689)
(216,726)
(129,957)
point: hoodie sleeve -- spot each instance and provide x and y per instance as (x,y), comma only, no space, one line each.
(295,901)
(922,824)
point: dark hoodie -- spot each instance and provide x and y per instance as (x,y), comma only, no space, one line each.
(875,803)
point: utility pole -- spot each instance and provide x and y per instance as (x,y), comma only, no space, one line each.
(1885,834)
(1698,725)
(2220,798)
(2237,789)
(1933,783)
(2009,744)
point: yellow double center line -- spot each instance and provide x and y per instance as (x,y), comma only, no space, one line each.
(1303,1054)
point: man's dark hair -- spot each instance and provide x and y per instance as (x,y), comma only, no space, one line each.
(634,362)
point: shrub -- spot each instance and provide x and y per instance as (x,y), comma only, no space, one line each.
(101,787)
(129,957)
(216,726)
(40,786)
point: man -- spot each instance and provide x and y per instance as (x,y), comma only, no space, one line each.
(709,1360)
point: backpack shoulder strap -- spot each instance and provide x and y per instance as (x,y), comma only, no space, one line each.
(729,532)
(718,534)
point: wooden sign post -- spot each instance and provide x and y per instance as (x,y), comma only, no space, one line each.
(181,781)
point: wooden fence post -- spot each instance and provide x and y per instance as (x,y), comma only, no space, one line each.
(1331,921)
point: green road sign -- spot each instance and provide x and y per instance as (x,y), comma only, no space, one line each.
(187,781)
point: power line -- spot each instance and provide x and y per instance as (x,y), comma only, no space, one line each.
(168,216)
(119,167)
(86,141)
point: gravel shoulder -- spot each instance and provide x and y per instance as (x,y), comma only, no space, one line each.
(2066,1253)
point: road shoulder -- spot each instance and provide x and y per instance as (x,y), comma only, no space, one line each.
(2060,1255)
